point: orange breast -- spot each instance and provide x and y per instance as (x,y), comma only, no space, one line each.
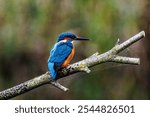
(68,60)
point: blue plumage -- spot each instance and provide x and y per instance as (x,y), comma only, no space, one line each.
(62,53)
(52,70)
(58,55)
(64,35)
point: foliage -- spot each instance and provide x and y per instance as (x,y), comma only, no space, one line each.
(28,29)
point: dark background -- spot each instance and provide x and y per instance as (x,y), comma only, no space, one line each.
(29,28)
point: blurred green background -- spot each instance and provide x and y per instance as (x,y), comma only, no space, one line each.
(29,28)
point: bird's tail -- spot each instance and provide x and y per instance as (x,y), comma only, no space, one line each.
(52,70)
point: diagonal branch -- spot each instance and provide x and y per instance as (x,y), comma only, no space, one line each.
(95,59)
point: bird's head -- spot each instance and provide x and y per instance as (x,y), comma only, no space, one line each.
(69,36)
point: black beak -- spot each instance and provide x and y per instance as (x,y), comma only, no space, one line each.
(82,39)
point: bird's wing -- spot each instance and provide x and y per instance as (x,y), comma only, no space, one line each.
(60,52)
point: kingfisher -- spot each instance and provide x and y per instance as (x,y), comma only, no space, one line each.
(62,53)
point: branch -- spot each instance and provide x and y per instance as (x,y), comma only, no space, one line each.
(56,84)
(84,65)
(125,60)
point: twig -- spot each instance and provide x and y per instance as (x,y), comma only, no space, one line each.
(61,87)
(125,60)
(84,65)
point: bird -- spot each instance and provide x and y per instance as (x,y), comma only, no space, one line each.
(62,53)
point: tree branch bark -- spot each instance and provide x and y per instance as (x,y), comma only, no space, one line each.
(81,66)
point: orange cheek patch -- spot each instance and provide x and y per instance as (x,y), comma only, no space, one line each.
(67,38)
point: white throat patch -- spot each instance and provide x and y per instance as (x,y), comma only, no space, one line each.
(63,40)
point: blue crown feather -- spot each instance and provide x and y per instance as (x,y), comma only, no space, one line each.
(63,35)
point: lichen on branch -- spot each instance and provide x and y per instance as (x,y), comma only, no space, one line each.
(81,66)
